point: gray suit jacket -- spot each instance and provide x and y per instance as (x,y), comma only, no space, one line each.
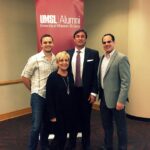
(116,80)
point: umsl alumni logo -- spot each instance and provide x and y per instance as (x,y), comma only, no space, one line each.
(48,19)
(53,19)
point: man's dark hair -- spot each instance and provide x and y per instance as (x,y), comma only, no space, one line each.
(45,35)
(80,30)
(109,34)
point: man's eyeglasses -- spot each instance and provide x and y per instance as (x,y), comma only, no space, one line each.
(47,42)
(106,42)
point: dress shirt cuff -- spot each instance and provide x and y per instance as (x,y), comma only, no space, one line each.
(94,94)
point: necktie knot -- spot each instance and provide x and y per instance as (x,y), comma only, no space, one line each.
(78,52)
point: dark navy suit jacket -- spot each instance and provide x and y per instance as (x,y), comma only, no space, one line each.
(90,69)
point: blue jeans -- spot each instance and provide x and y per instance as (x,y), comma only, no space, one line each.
(38,105)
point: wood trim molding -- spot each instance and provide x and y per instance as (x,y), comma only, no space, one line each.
(7,82)
(26,111)
(15,114)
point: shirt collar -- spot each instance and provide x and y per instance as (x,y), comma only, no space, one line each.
(81,50)
(41,54)
(111,53)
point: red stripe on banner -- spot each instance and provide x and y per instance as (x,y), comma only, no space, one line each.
(60,18)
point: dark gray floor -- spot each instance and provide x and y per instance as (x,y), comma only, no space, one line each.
(14,133)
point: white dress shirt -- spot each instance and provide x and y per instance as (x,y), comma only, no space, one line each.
(104,65)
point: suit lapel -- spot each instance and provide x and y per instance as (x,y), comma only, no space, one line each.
(85,57)
(111,61)
(100,64)
(71,52)
(85,61)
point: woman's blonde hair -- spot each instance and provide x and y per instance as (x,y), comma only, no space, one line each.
(61,55)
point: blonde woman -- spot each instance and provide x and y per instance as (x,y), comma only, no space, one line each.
(59,95)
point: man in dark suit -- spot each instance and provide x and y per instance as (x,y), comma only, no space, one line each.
(84,65)
(114,86)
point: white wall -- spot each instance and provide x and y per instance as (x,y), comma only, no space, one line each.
(107,16)
(128,20)
(139,55)
(18,42)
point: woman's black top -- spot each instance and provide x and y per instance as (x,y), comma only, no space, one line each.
(59,94)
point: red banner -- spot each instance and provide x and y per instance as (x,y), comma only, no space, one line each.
(60,18)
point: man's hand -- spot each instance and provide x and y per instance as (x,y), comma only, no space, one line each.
(91,99)
(119,106)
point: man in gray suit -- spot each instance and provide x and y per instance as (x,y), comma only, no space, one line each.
(114,86)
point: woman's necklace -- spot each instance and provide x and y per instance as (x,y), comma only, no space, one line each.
(67,84)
